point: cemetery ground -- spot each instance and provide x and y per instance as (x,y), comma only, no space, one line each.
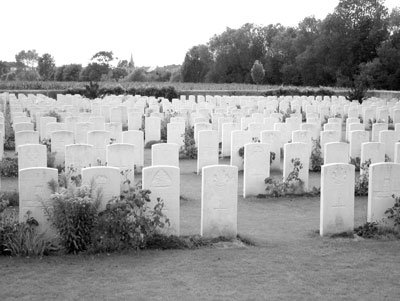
(287,259)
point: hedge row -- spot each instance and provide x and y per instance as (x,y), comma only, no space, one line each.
(94,91)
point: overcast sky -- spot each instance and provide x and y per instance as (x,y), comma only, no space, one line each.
(156,32)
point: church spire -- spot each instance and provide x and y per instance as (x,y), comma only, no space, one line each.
(131,63)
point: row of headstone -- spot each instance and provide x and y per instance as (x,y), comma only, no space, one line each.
(337,195)
(219,194)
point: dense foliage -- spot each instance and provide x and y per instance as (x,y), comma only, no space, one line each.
(9,167)
(127,222)
(361,185)
(357,44)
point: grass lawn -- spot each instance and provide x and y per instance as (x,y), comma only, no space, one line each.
(289,261)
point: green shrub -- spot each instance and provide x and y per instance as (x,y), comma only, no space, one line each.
(356,162)
(12,198)
(361,185)
(9,142)
(393,213)
(368,230)
(291,185)
(53,113)
(189,149)
(4,203)
(92,90)
(271,156)
(316,159)
(128,222)
(23,239)
(73,213)
(9,167)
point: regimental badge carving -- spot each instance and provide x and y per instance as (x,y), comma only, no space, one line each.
(222,177)
(101,180)
(258,149)
(339,175)
(161,179)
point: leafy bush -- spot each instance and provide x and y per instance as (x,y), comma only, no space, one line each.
(291,185)
(358,91)
(128,222)
(271,156)
(9,142)
(188,150)
(53,113)
(23,239)
(9,198)
(92,90)
(393,213)
(316,159)
(3,204)
(361,185)
(73,213)
(9,167)
(368,230)
(356,162)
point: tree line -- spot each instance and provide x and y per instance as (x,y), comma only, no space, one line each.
(30,66)
(357,44)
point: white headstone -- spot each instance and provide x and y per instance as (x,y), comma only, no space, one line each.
(26,137)
(121,155)
(238,140)
(79,156)
(388,139)
(23,126)
(137,139)
(227,129)
(207,150)
(374,151)
(384,181)
(256,168)
(34,193)
(164,183)
(165,154)
(99,140)
(356,139)
(153,129)
(106,181)
(296,150)
(328,136)
(337,198)
(32,155)
(273,138)
(376,128)
(81,132)
(336,152)
(219,201)
(176,133)
(59,139)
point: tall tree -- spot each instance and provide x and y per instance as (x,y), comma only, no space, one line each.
(235,50)
(71,72)
(27,59)
(46,66)
(197,64)
(257,72)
